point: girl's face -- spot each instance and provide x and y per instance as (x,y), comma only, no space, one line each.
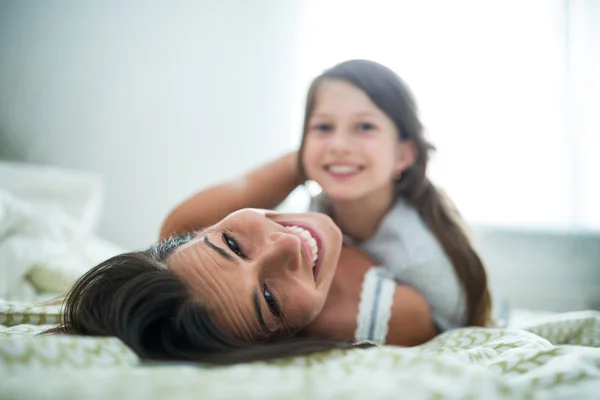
(261,272)
(351,147)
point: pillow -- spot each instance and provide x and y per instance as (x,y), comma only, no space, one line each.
(47,216)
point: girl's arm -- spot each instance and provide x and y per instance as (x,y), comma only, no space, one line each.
(265,187)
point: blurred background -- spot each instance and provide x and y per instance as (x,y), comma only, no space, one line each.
(162,99)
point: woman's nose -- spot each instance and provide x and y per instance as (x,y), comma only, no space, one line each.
(283,253)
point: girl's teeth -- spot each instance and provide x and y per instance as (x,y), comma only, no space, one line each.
(343,169)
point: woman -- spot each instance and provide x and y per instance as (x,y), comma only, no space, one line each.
(255,285)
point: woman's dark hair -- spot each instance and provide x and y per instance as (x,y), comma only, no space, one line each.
(389,92)
(138,299)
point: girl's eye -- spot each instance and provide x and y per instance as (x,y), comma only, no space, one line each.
(323,128)
(233,245)
(271,302)
(366,126)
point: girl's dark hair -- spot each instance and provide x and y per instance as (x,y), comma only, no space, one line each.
(394,98)
(138,299)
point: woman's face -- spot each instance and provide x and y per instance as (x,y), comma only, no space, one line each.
(261,272)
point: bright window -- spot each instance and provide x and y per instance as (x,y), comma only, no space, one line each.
(509,92)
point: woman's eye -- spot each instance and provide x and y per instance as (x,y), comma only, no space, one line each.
(271,302)
(233,245)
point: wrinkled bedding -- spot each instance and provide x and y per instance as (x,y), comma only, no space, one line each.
(553,357)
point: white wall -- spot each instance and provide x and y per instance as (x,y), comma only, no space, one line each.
(557,271)
(162,98)
(166,98)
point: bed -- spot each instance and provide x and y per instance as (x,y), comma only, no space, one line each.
(552,357)
(540,355)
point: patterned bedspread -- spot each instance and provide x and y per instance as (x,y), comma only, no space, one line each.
(555,357)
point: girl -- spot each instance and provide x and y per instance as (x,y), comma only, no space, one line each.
(364,144)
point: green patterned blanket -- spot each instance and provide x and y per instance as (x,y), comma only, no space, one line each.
(557,357)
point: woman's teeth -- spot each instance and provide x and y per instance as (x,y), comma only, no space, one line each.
(311,241)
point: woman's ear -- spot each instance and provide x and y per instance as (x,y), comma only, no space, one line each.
(406,155)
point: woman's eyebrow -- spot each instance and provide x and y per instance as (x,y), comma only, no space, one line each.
(219,250)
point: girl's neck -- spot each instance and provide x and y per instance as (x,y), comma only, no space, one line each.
(360,218)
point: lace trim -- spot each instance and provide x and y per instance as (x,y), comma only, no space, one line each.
(375,307)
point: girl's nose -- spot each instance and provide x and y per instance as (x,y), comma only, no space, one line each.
(338,142)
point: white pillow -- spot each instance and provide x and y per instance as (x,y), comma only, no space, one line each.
(48,216)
